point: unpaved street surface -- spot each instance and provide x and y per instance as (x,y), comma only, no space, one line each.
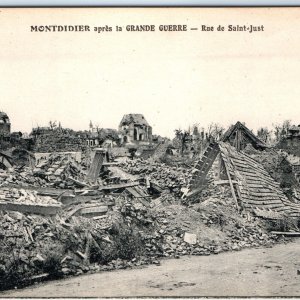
(251,272)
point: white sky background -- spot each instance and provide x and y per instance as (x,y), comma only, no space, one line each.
(175,79)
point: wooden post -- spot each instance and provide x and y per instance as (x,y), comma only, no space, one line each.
(232,188)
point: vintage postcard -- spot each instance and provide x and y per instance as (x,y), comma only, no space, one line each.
(149,152)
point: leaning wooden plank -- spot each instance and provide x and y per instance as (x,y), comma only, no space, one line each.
(141,192)
(133,192)
(39,209)
(110,164)
(72,212)
(96,165)
(231,187)
(194,192)
(138,196)
(295,233)
(49,194)
(79,183)
(93,211)
(118,186)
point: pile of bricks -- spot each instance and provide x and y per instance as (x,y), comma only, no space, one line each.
(57,169)
(170,178)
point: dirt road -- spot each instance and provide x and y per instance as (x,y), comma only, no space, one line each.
(251,272)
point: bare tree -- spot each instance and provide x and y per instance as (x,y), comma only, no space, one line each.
(280,130)
(264,134)
(183,137)
(52,125)
(215,131)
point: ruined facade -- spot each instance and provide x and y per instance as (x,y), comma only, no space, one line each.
(134,129)
(57,139)
(104,137)
(291,142)
(4,124)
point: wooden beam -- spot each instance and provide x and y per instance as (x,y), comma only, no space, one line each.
(118,186)
(295,233)
(232,188)
(194,192)
(110,164)
(220,182)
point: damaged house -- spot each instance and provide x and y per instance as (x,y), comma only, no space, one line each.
(4,123)
(104,137)
(291,141)
(239,136)
(252,187)
(134,129)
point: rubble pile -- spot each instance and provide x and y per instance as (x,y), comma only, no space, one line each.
(54,171)
(136,211)
(43,247)
(21,177)
(116,227)
(57,169)
(32,246)
(171,178)
(129,234)
(207,228)
(59,140)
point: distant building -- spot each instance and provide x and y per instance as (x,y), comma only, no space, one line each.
(134,129)
(93,139)
(40,131)
(294,132)
(4,123)
(291,141)
(104,137)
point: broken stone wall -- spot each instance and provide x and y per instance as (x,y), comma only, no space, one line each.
(290,145)
(54,142)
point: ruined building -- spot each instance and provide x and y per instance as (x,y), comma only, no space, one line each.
(102,137)
(4,123)
(134,129)
(240,136)
(291,141)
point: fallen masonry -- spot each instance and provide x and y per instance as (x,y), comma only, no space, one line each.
(64,218)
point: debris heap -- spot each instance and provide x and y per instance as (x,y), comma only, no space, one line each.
(170,178)
(57,169)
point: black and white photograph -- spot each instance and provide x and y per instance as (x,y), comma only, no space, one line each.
(149,152)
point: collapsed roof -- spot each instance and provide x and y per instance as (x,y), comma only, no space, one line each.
(138,119)
(252,187)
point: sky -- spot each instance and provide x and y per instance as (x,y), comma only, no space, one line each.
(176,79)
